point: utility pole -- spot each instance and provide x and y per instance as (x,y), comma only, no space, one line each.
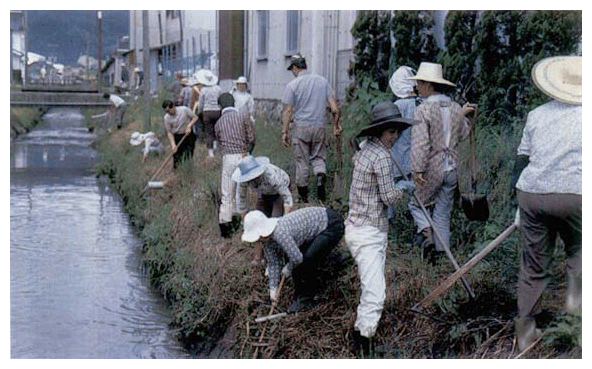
(100,49)
(25,68)
(146,68)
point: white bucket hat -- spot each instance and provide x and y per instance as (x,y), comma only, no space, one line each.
(241,79)
(431,72)
(250,168)
(560,77)
(257,225)
(137,138)
(205,77)
(400,82)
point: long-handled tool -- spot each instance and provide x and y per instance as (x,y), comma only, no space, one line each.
(474,206)
(273,304)
(444,286)
(151,183)
(429,218)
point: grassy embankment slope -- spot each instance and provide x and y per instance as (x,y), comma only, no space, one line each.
(215,294)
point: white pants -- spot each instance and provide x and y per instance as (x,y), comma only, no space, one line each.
(228,187)
(367,245)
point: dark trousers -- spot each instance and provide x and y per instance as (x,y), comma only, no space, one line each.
(542,217)
(271,205)
(185,149)
(209,121)
(315,252)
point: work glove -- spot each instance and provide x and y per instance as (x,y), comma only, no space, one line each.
(272,294)
(287,271)
(406,186)
(517,218)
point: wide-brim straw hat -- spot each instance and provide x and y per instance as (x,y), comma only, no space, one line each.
(385,115)
(431,72)
(206,77)
(257,225)
(249,168)
(560,77)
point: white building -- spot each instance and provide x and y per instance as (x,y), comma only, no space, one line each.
(323,37)
(178,43)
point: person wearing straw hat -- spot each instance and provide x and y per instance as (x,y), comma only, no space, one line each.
(151,143)
(404,89)
(178,123)
(306,236)
(243,101)
(208,107)
(549,191)
(185,94)
(366,227)
(272,185)
(304,116)
(236,135)
(442,123)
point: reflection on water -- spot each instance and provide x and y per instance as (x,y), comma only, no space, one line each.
(77,288)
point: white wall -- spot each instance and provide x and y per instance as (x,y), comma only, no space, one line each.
(325,41)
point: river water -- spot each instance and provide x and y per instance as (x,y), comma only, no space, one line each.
(77,288)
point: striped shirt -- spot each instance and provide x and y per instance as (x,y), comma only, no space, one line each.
(274,181)
(372,188)
(234,132)
(292,231)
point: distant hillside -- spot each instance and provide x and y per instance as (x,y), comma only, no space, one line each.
(65,33)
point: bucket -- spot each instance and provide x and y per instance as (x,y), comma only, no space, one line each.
(156,184)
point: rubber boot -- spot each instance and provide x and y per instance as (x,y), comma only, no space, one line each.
(303,193)
(361,345)
(321,187)
(573,300)
(236,222)
(226,230)
(526,332)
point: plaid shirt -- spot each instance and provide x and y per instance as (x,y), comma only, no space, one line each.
(291,232)
(234,132)
(275,182)
(372,188)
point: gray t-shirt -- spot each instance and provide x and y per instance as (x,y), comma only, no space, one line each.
(308,94)
(178,122)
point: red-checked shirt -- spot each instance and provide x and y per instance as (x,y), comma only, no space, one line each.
(372,188)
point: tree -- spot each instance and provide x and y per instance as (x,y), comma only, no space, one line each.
(413,39)
(460,55)
(373,47)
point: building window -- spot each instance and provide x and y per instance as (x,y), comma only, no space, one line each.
(292,31)
(262,33)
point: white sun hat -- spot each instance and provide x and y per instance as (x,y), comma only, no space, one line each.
(241,79)
(400,82)
(257,225)
(137,138)
(206,77)
(560,77)
(431,72)
(250,168)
